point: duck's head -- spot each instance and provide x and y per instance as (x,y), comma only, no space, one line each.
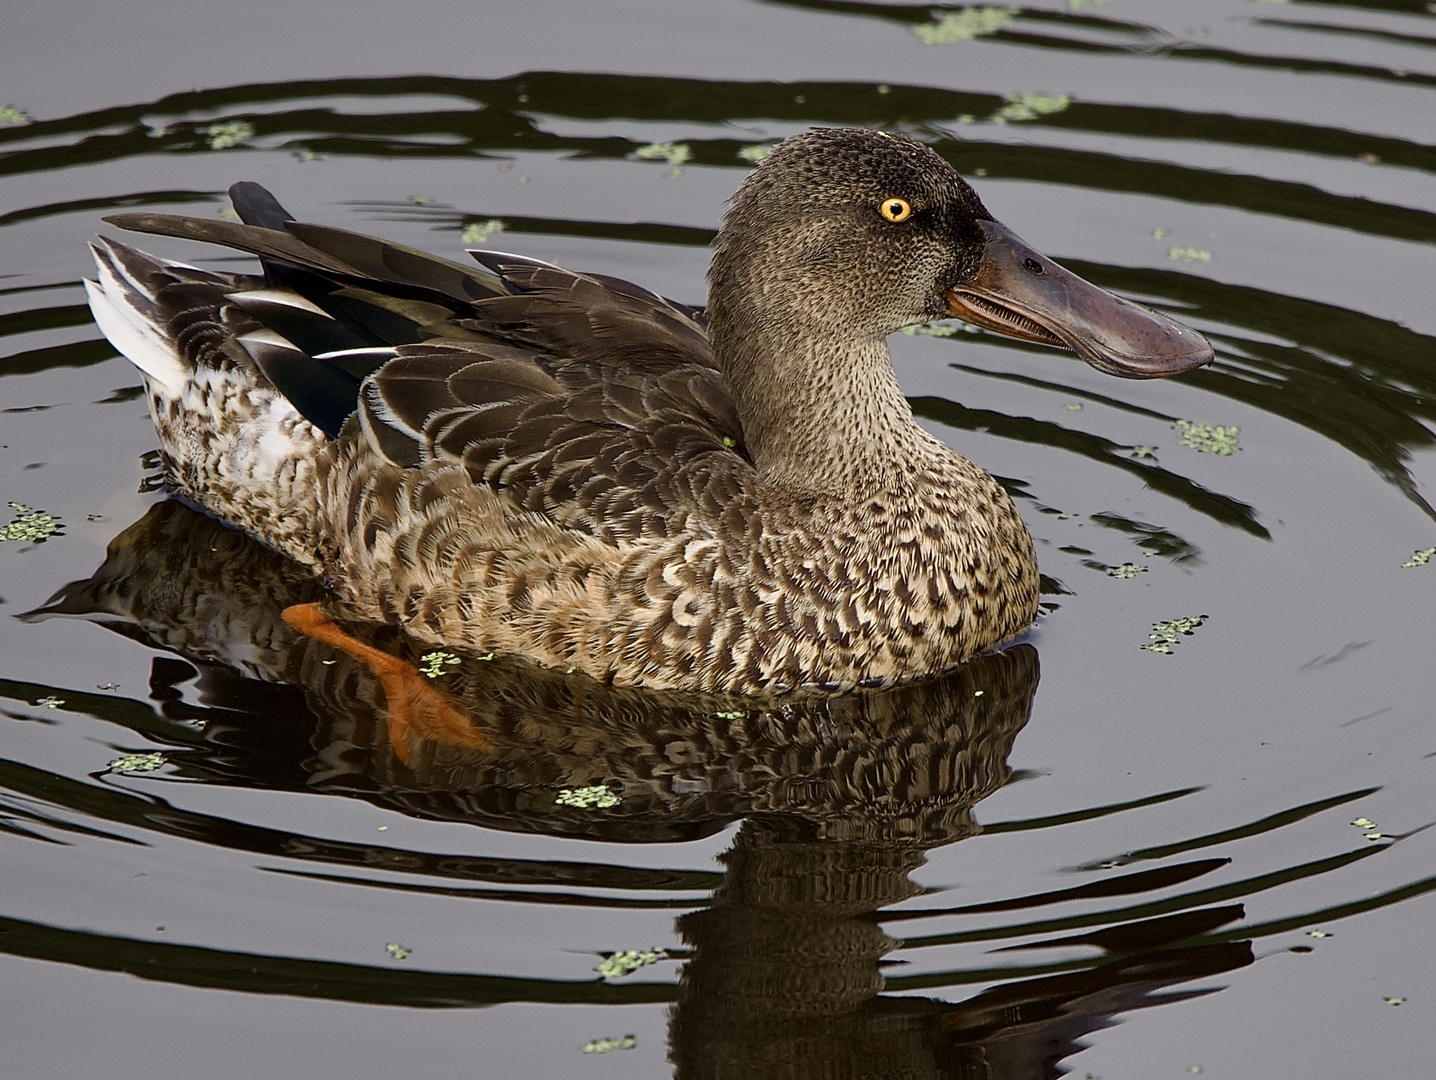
(848,233)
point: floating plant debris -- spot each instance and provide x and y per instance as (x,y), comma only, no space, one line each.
(1189,254)
(1022,107)
(477,232)
(603,1046)
(941,329)
(225,136)
(618,964)
(34,526)
(1208,438)
(954,26)
(676,154)
(136,763)
(587,798)
(432,664)
(1164,635)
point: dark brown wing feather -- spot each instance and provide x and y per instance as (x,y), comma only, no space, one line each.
(583,397)
(591,318)
(589,446)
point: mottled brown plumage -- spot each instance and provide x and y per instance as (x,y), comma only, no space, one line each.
(569,469)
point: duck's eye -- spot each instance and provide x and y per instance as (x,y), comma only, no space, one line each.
(895,209)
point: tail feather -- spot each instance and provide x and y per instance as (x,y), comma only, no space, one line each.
(123,303)
(338,254)
(256,206)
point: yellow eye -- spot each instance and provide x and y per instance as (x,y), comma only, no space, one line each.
(895,209)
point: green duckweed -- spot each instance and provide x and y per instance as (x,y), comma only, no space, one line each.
(477,232)
(618,964)
(227,135)
(1208,438)
(954,26)
(30,525)
(433,664)
(1166,635)
(587,798)
(603,1046)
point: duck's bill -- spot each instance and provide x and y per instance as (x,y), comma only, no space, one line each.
(1025,295)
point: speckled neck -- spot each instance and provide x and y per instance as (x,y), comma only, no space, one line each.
(820,413)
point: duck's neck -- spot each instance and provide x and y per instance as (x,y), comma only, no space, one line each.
(820,413)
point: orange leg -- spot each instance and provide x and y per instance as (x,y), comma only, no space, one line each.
(416,706)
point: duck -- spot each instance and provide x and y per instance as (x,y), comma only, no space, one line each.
(511,458)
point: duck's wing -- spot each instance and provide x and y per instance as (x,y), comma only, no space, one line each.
(591,318)
(617,454)
(334,299)
(579,396)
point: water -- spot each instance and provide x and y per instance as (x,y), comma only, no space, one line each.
(1143,865)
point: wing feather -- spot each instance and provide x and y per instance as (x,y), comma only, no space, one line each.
(586,398)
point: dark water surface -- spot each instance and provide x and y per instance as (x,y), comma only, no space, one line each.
(1163,875)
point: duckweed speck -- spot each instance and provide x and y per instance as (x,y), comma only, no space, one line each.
(136,763)
(397,951)
(603,1046)
(1421,557)
(34,526)
(1208,438)
(586,798)
(1165,635)
(616,965)
(954,26)
(755,153)
(941,329)
(673,153)
(1189,254)
(225,136)
(9,114)
(1022,107)
(1126,571)
(432,664)
(476,232)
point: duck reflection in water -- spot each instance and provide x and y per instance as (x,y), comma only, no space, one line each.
(840,798)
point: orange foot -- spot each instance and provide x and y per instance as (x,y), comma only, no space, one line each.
(417,709)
